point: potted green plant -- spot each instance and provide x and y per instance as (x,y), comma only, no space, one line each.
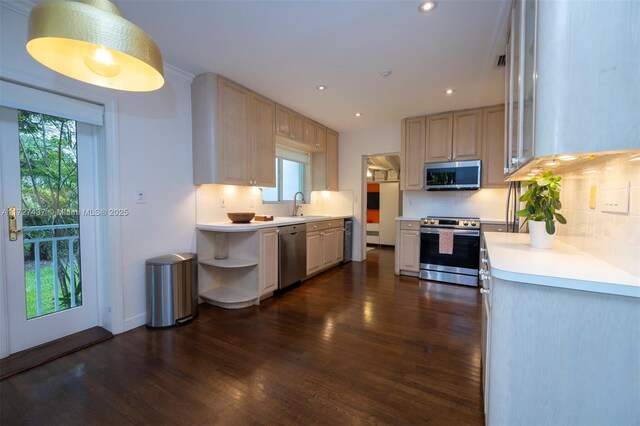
(542,199)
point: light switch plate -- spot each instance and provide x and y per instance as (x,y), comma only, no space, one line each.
(615,197)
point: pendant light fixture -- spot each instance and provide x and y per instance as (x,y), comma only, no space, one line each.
(90,41)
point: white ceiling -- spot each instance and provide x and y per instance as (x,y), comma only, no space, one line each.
(284,49)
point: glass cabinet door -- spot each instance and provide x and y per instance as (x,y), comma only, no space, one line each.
(507,106)
(529,12)
(516,82)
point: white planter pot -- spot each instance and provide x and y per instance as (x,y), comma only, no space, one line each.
(539,237)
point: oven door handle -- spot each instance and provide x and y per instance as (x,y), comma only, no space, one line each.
(471,232)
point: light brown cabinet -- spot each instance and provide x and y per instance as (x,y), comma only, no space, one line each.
(233,140)
(309,134)
(467,135)
(407,256)
(268,265)
(325,245)
(493,147)
(324,165)
(439,131)
(289,124)
(454,136)
(321,138)
(332,160)
(263,142)
(413,153)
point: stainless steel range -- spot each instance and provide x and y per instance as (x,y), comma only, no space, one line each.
(460,267)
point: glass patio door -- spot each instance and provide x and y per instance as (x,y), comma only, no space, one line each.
(47,191)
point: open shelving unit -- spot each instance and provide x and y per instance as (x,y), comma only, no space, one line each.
(228,268)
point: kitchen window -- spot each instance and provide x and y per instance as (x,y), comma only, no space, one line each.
(292,176)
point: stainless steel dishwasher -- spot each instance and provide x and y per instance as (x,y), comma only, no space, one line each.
(292,254)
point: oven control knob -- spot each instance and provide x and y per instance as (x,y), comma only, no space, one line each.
(432,221)
(473,223)
(465,223)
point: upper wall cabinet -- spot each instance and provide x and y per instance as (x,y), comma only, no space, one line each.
(413,153)
(573,80)
(467,135)
(493,147)
(439,130)
(454,136)
(233,133)
(475,134)
(324,164)
(298,132)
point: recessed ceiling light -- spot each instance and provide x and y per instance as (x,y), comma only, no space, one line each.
(358,114)
(386,72)
(321,87)
(449,91)
(427,6)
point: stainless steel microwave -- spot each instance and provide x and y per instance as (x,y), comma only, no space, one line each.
(451,176)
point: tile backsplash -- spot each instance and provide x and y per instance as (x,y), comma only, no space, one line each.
(487,204)
(213,202)
(612,237)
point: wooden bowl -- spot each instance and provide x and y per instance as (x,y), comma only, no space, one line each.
(241,217)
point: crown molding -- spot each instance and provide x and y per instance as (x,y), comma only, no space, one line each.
(21,7)
(178,73)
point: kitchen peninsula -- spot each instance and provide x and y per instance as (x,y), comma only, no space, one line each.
(238,262)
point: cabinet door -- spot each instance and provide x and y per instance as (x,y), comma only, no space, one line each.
(526,148)
(410,250)
(283,122)
(309,134)
(332,161)
(467,135)
(515,131)
(263,143)
(339,245)
(328,247)
(413,154)
(268,269)
(297,127)
(493,147)
(234,160)
(314,252)
(439,130)
(321,138)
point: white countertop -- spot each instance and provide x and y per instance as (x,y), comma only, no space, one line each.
(564,266)
(229,226)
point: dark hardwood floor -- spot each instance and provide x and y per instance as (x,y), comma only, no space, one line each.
(353,345)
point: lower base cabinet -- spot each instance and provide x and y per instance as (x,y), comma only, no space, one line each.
(407,260)
(325,245)
(268,266)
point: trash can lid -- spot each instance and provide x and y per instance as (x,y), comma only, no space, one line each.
(170,259)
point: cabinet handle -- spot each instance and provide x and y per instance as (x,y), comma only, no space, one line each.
(410,225)
(484,290)
(417,234)
(484,261)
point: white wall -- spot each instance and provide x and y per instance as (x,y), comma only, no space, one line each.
(154,138)
(487,204)
(215,201)
(612,237)
(353,145)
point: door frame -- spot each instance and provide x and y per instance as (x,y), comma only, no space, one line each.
(108,239)
(363,197)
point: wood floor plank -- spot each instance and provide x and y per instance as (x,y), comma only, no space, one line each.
(353,345)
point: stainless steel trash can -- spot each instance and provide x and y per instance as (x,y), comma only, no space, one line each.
(172,289)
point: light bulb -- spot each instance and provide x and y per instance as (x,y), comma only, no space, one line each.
(101,62)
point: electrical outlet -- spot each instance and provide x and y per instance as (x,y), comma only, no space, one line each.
(141,196)
(592,196)
(222,205)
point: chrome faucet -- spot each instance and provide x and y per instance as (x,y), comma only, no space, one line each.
(295,203)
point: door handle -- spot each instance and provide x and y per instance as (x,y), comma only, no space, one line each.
(13,230)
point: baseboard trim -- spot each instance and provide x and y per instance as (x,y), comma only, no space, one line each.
(135,322)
